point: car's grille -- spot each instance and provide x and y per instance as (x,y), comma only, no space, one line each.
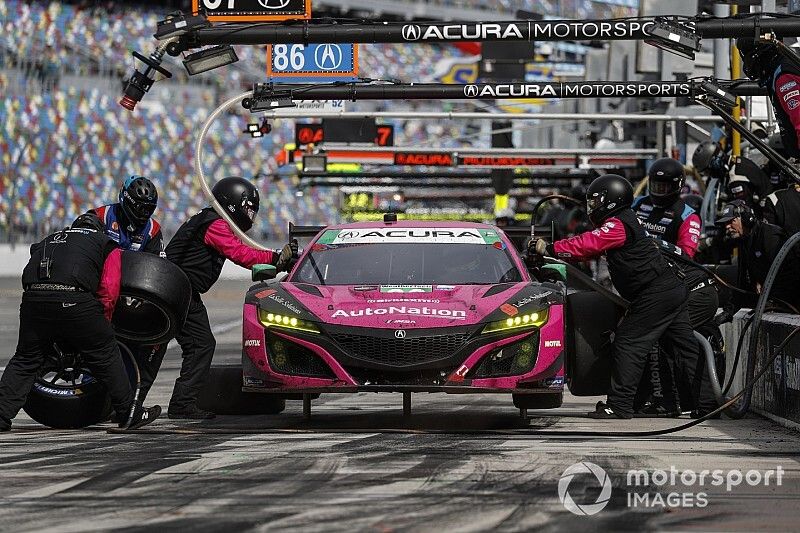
(286,357)
(400,352)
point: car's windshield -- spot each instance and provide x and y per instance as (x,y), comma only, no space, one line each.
(408,256)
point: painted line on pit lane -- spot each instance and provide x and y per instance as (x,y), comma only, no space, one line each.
(218,330)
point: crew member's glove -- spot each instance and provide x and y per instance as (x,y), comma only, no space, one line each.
(288,256)
(539,247)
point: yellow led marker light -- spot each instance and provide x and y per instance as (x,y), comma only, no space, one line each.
(272,319)
(529,320)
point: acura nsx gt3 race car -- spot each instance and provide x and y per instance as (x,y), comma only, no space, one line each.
(420,307)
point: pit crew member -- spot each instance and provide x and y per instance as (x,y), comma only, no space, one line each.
(71,286)
(762,62)
(666,216)
(760,243)
(200,248)
(130,224)
(657,296)
(782,208)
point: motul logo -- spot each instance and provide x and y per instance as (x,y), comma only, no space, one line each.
(440,160)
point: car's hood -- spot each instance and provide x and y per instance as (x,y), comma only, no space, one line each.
(408,306)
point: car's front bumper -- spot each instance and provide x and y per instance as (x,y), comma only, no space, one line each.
(351,371)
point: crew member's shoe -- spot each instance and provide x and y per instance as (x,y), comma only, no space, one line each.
(191,412)
(604,412)
(654,410)
(142,416)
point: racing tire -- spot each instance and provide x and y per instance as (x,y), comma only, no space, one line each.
(154,299)
(222,394)
(546,400)
(62,406)
(591,320)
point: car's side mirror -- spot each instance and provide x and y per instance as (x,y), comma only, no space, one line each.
(555,272)
(263,272)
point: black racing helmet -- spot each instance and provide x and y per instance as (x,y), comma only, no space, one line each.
(706,156)
(138,198)
(758,58)
(88,221)
(239,198)
(607,195)
(666,179)
(695,201)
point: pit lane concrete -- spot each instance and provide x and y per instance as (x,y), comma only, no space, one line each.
(326,481)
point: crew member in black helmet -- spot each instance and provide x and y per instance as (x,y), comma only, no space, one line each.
(666,216)
(663,213)
(71,284)
(200,248)
(762,62)
(643,276)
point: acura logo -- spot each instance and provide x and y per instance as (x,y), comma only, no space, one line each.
(470,91)
(412,32)
(274,4)
(400,334)
(328,57)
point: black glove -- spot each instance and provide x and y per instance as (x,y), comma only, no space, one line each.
(538,247)
(288,256)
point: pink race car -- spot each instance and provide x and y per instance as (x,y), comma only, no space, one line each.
(408,307)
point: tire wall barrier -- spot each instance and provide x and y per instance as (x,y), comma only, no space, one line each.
(777,394)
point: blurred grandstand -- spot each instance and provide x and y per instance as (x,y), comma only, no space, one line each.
(65,143)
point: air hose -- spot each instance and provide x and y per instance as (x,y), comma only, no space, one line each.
(740,410)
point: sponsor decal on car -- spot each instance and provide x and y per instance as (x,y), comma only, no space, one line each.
(403,301)
(445,287)
(410,235)
(253,382)
(532,298)
(401,310)
(552,344)
(365,288)
(265,293)
(406,288)
(401,321)
(252,343)
(58,392)
(509,309)
(284,302)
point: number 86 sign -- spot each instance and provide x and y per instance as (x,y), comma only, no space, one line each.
(290,63)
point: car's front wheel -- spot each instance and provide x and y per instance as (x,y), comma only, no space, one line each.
(222,394)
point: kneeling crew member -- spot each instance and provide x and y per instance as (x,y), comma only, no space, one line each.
(657,297)
(760,243)
(71,286)
(200,248)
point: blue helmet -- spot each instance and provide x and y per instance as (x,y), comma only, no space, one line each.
(138,198)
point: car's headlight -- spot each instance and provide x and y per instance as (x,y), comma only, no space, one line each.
(269,319)
(527,320)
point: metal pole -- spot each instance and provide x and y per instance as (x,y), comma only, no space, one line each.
(457,31)
(736,73)
(284,113)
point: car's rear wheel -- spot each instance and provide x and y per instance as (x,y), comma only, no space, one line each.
(65,395)
(541,400)
(222,394)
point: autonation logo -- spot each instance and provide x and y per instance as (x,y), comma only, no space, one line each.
(660,488)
